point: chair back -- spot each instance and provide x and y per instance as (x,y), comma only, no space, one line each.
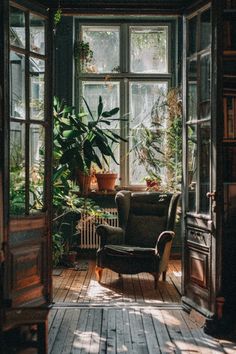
(144,215)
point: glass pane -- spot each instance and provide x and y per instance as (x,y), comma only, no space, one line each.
(110,93)
(192,90)
(36,167)
(17,168)
(149,49)
(204,138)
(99,50)
(205,86)
(17,27)
(37,84)
(17,85)
(37,34)
(192,166)
(147,112)
(192,35)
(205,26)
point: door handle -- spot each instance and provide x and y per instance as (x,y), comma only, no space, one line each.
(211,195)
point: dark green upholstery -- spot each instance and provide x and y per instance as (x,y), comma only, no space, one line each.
(143,240)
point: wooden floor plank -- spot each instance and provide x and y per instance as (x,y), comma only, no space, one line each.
(55,328)
(67,346)
(151,339)
(78,338)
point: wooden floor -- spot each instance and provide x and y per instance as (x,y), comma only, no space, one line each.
(132,330)
(75,286)
(124,315)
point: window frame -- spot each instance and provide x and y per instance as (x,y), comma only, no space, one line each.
(126,76)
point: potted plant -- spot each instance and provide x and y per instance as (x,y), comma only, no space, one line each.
(80,142)
(83,55)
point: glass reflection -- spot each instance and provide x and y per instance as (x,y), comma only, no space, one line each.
(146,109)
(17,85)
(37,84)
(99,52)
(149,49)
(192,167)
(17,169)
(192,90)
(36,167)
(37,34)
(204,137)
(205,86)
(17,27)
(205,27)
(192,39)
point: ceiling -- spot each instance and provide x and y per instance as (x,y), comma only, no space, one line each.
(99,6)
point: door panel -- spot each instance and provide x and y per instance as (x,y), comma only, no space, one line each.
(27,271)
(199,204)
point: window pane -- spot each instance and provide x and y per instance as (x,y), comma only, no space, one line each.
(192,167)
(146,109)
(17,169)
(149,49)
(192,35)
(205,89)
(37,84)
(205,27)
(36,167)
(17,27)
(17,85)
(192,90)
(204,139)
(110,93)
(103,53)
(37,34)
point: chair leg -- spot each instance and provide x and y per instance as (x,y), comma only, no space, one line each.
(156,278)
(119,275)
(164,276)
(98,271)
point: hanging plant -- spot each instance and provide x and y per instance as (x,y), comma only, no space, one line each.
(83,54)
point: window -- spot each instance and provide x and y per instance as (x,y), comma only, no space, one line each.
(28,121)
(129,65)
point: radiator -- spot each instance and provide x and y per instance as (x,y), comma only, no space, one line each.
(87,225)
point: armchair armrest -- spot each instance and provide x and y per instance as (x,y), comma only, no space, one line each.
(110,235)
(163,239)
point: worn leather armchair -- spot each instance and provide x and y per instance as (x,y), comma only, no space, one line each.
(142,242)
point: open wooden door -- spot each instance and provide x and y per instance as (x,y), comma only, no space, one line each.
(27,156)
(201,263)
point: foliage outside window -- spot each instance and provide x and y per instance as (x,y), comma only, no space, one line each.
(130,68)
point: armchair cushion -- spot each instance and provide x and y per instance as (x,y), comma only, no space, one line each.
(110,235)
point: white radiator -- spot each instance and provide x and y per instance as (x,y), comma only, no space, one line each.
(87,225)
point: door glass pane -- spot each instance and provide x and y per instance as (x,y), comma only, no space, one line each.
(146,110)
(149,49)
(204,171)
(37,34)
(205,86)
(17,168)
(17,27)
(192,90)
(36,167)
(37,84)
(110,93)
(17,85)
(192,166)
(99,50)
(205,27)
(192,36)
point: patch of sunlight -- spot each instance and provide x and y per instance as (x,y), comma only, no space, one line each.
(168,319)
(178,274)
(87,341)
(95,288)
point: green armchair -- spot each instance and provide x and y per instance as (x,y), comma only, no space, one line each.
(142,242)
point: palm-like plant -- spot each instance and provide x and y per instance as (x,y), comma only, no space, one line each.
(79,142)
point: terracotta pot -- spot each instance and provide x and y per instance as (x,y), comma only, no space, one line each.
(83,182)
(106,181)
(152,184)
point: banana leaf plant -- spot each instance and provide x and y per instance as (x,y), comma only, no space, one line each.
(80,142)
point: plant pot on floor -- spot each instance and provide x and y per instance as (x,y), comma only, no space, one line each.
(84,182)
(106,181)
